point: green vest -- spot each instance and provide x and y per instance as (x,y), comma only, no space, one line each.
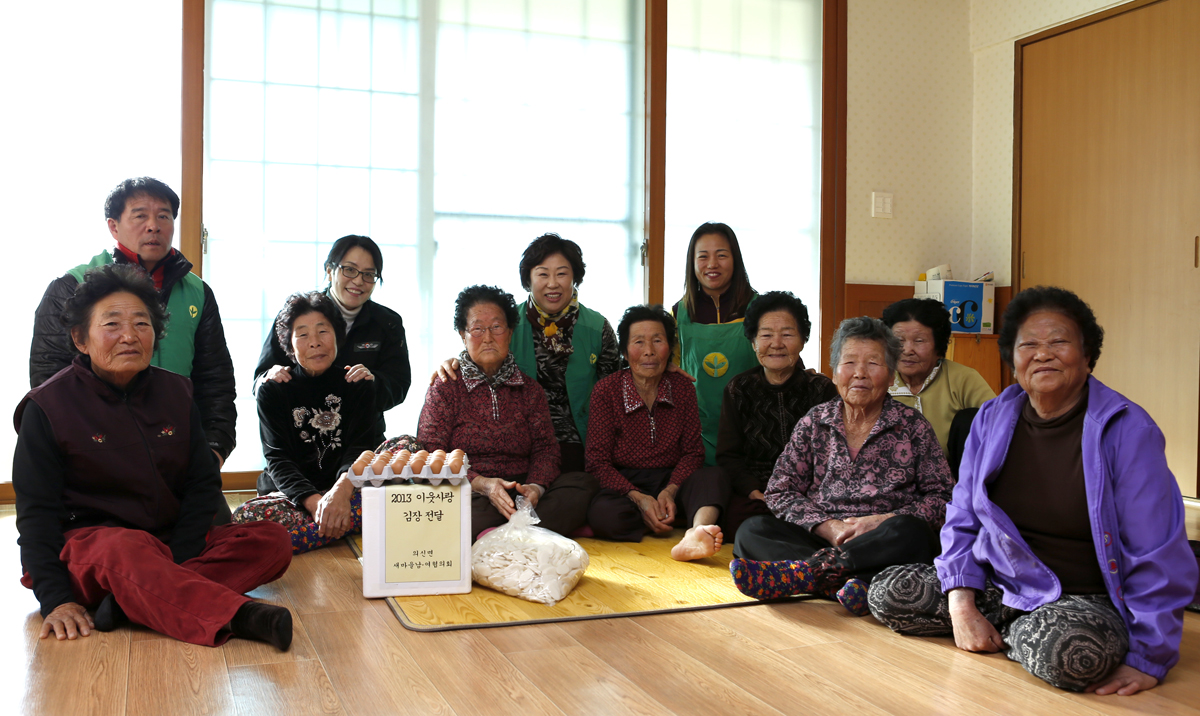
(581,366)
(713,353)
(186,303)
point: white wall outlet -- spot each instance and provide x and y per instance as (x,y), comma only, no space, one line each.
(881,205)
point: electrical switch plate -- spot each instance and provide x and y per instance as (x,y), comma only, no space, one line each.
(881,205)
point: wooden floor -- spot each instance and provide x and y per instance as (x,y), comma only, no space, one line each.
(351,656)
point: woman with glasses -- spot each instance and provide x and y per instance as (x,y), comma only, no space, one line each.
(374,348)
(500,418)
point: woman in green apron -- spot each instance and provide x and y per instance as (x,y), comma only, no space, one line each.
(564,345)
(709,318)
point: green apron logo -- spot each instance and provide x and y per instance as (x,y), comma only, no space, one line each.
(715,364)
(194,311)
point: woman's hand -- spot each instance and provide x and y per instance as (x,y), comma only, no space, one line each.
(1125,681)
(448,370)
(332,512)
(666,505)
(860,526)
(532,492)
(653,514)
(972,632)
(279,374)
(355,373)
(831,531)
(68,621)
(496,490)
(757,495)
(672,368)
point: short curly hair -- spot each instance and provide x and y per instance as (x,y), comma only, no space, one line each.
(104,281)
(866,328)
(929,313)
(776,301)
(472,296)
(300,304)
(644,312)
(546,246)
(1050,298)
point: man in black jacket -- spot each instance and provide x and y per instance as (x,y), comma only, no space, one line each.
(141,216)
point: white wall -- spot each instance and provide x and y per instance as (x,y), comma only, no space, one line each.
(930,119)
(908,132)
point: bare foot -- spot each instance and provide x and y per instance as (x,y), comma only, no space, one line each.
(698,543)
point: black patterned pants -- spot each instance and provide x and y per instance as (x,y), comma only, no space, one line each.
(1070,643)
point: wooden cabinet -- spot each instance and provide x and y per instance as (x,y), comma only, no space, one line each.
(981,352)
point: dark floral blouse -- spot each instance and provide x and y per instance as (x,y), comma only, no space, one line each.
(899,469)
(313,429)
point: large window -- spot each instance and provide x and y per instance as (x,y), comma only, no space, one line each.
(452,137)
(744,140)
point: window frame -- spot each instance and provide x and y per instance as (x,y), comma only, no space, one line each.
(833,161)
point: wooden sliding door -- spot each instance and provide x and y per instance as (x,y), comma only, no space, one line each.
(1107,198)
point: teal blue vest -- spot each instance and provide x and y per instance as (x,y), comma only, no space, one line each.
(177,349)
(581,366)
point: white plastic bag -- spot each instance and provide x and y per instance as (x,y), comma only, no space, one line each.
(529,562)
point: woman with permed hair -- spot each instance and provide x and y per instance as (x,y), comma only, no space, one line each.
(313,427)
(926,380)
(566,346)
(1065,545)
(762,405)
(116,489)
(498,415)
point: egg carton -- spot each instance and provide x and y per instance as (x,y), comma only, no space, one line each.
(425,476)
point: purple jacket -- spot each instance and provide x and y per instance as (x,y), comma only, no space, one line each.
(1135,509)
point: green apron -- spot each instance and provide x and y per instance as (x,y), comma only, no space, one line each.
(713,353)
(581,366)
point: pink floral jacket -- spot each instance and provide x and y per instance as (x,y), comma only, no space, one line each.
(899,469)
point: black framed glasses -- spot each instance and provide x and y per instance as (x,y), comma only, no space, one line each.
(368,276)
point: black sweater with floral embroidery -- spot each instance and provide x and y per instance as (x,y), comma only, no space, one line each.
(313,429)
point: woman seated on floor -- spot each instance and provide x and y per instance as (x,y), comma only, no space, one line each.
(116,488)
(644,446)
(938,388)
(499,417)
(762,406)
(1064,545)
(313,427)
(862,485)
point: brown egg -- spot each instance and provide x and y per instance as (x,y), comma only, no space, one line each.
(400,460)
(361,463)
(418,461)
(456,464)
(436,462)
(457,452)
(438,453)
(380,462)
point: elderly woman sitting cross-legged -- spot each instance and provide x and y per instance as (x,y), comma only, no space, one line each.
(1064,545)
(500,418)
(645,448)
(861,486)
(116,488)
(313,427)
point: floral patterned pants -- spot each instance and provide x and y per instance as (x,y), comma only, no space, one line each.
(1070,643)
(299,523)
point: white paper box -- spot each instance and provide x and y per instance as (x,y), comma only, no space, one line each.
(416,539)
